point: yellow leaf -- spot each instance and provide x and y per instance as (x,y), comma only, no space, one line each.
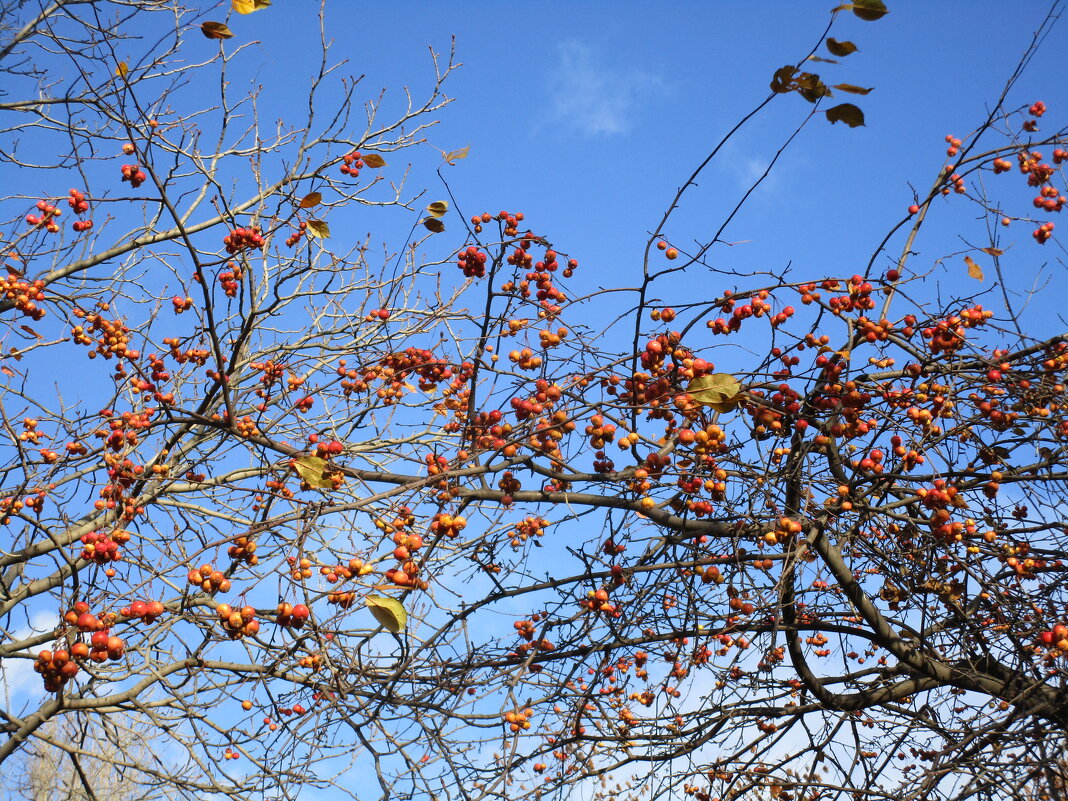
(122,70)
(387,611)
(840,48)
(719,390)
(373,160)
(314,471)
(216,30)
(243,6)
(848,87)
(434,225)
(456,155)
(317,229)
(310,200)
(992,251)
(438,208)
(847,113)
(974,270)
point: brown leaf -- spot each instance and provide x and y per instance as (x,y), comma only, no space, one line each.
(810,87)
(434,225)
(311,200)
(438,208)
(373,160)
(992,251)
(317,229)
(822,60)
(848,87)
(847,113)
(782,80)
(30,331)
(869,10)
(840,48)
(216,30)
(974,270)
(7,370)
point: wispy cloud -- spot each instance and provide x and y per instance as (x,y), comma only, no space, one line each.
(593,95)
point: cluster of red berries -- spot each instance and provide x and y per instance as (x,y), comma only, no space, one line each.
(238,623)
(1057,638)
(56,668)
(23,294)
(511,221)
(352,165)
(296,236)
(230,279)
(47,219)
(292,615)
(472,262)
(77,201)
(102,547)
(146,611)
(134,174)
(243,238)
(209,579)
(1043,233)
(1049,199)
(954,145)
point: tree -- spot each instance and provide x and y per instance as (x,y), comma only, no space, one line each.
(326,513)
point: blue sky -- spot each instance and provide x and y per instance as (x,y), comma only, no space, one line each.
(588,119)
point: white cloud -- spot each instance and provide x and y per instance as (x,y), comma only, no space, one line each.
(594,96)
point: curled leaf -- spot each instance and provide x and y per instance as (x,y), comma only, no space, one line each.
(373,160)
(721,391)
(434,225)
(438,208)
(317,229)
(456,155)
(848,87)
(388,611)
(822,60)
(840,48)
(122,70)
(216,30)
(847,113)
(248,6)
(810,87)
(974,270)
(783,79)
(992,251)
(314,471)
(310,200)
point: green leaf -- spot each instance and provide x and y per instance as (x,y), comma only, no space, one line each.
(847,113)
(840,48)
(314,471)
(438,208)
(388,611)
(721,391)
(317,229)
